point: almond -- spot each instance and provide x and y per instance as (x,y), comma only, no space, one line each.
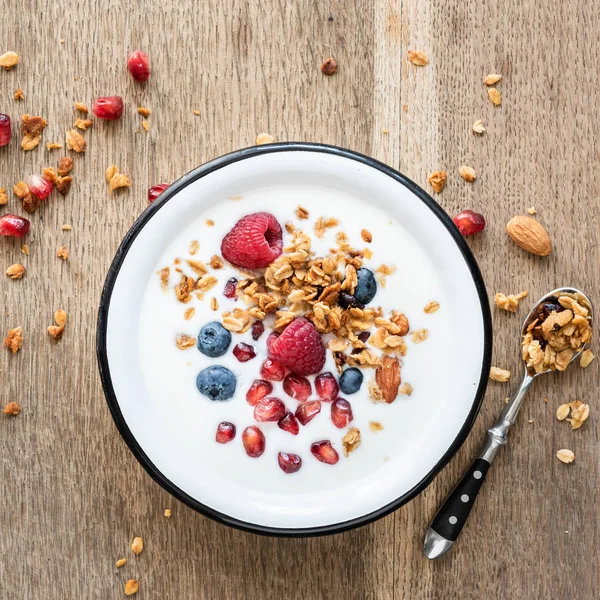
(387,376)
(529,235)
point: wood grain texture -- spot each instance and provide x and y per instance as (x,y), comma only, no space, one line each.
(73,497)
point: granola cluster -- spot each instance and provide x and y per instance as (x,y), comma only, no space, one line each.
(560,328)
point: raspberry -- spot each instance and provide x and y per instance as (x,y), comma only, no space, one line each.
(254,242)
(299,348)
(138,65)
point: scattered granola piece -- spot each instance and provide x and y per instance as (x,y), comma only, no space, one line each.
(418,58)
(183,341)
(3,196)
(210,223)
(168,513)
(193,247)
(53,145)
(75,141)
(120,562)
(329,67)
(366,236)
(137,545)
(14,339)
(62,252)
(214,305)
(81,107)
(431,307)
(56,331)
(562,412)
(29,142)
(586,358)
(25,249)
(264,138)
(579,413)
(509,303)
(118,180)
(16,271)
(323,224)
(565,456)
(498,374)
(351,441)
(478,127)
(132,587)
(12,409)
(437,180)
(387,377)
(19,95)
(301,213)
(146,126)
(65,165)
(21,189)
(8,60)
(63,185)
(189,313)
(197,266)
(492,78)
(531,211)
(32,125)
(467,173)
(374,391)
(406,389)
(418,336)
(164,277)
(83,124)
(111,172)
(216,262)
(145,112)
(375,426)
(495,96)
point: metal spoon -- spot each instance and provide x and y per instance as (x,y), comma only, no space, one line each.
(451,517)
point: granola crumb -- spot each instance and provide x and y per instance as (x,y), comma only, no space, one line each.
(329,67)
(214,305)
(62,252)
(164,277)
(495,96)
(19,95)
(374,392)
(375,426)
(492,78)
(83,124)
(25,249)
(467,173)
(301,213)
(168,513)
(323,224)
(12,409)
(183,341)
(579,414)
(145,112)
(216,262)
(478,127)
(53,145)
(418,336)
(196,112)
(506,400)
(66,227)
(437,180)
(587,356)
(56,331)
(116,179)
(137,545)
(146,126)
(81,107)
(264,138)
(498,374)
(406,389)
(385,131)
(132,587)
(565,456)
(509,303)
(351,441)
(431,307)
(531,210)
(75,141)
(14,339)
(418,58)
(210,223)
(189,313)
(366,236)
(3,197)
(16,271)
(562,412)
(8,60)
(120,562)
(193,247)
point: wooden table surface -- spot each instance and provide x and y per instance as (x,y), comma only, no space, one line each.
(72,496)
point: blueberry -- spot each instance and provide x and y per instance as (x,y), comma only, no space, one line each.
(214,339)
(216,383)
(351,380)
(366,287)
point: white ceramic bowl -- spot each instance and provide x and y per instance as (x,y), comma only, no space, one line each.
(437,421)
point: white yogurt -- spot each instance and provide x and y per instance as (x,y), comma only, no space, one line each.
(170,374)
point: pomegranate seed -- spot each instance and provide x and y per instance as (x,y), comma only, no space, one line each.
(289,463)
(139,66)
(244,352)
(257,330)
(5,130)
(327,387)
(230,288)
(156,190)
(254,441)
(341,413)
(269,409)
(297,387)
(39,186)
(13,226)
(258,390)
(272,337)
(289,423)
(225,432)
(307,411)
(108,107)
(469,222)
(272,370)
(325,452)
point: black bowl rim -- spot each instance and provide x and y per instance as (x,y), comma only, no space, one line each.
(111,398)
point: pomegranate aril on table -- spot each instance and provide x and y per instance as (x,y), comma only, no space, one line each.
(109,108)
(258,390)
(469,222)
(244,352)
(297,387)
(289,423)
(39,186)
(307,411)
(327,387)
(341,413)
(269,409)
(139,66)
(272,370)
(254,441)
(156,190)
(325,452)
(5,129)
(289,463)
(230,288)
(225,432)
(257,330)
(13,226)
